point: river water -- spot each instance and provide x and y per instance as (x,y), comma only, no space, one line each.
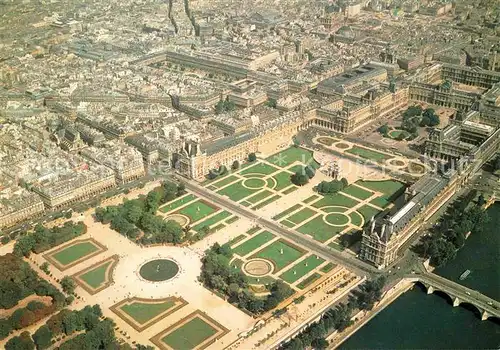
(420,321)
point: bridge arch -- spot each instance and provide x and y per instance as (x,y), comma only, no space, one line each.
(471,307)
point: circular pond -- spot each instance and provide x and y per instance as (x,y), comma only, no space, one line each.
(159,270)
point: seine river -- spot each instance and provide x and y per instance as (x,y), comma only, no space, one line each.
(420,321)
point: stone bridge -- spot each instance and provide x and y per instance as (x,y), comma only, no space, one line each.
(458,294)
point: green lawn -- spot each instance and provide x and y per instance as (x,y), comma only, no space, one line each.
(236,191)
(259,196)
(288,223)
(232,220)
(255,183)
(177,203)
(335,200)
(143,312)
(253,230)
(308,280)
(266,202)
(302,215)
(273,253)
(337,219)
(293,154)
(189,335)
(290,190)
(286,212)
(282,180)
(225,181)
(369,154)
(357,192)
(311,199)
(334,209)
(295,168)
(197,210)
(325,140)
(328,267)
(367,212)
(253,243)
(213,220)
(75,252)
(301,269)
(236,239)
(97,276)
(319,229)
(259,168)
(356,219)
(389,188)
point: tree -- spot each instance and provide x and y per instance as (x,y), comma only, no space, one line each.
(68,285)
(252,157)
(480,200)
(425,121)
(320,344)
(310,172)
(296,142)
(299,178)
(271,102)
(181,189)
(384,129)
(236,165)
(21,342)
(42,337)
(45,267)
(24,245)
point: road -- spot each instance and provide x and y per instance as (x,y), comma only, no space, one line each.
(352,263)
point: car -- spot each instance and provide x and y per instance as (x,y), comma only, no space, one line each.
(468,293)
(490,303)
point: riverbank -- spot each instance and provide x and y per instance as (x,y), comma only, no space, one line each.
(337,338)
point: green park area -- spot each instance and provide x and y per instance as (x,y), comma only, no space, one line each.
(189,335)
(282,180)
(356,219)
(336,199)
(253,243)
(75,252)
(280,253)
(391,190)
(142,312)
(212,221)
(237,191)
(225,181)
(369,154)
(287,211)
(307,281)
(301,215)
(291,155)
(96,277)
(259,196)
(177,203)
(197,210)
(319,229)
(357,192)
(301,269)
(368,212)
(259,168)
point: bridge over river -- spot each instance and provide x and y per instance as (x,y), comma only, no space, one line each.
(458,293)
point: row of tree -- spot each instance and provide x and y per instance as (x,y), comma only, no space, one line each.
(449,236)
(338,318)
(217,274)
(303,175)
(44,238)
(334,186)
(132,216)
